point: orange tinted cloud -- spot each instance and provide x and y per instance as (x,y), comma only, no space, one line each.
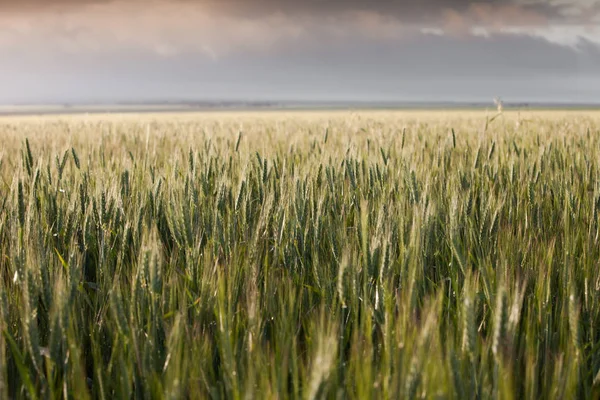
(218,28)
(505,15)
(485,16)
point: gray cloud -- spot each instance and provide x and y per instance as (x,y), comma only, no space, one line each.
(294,49)
(219,27)
(405,10)
(426,68)
(423,10)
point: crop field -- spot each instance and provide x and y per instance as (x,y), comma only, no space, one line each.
(273,255)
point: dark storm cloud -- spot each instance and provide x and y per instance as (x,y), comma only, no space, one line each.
(217,27)
(405,10)
(291,49)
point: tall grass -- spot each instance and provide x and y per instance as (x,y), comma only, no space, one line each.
(330,257)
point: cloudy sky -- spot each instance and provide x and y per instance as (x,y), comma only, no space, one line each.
(385,50)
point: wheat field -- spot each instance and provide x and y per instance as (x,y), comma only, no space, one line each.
(361,255)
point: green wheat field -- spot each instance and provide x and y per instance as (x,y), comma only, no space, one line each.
(301,255)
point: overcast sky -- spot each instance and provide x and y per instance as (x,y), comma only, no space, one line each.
(386,50)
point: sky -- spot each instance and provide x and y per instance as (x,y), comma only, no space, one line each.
(54,51)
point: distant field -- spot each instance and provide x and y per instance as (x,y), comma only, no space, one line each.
(61,110)
(232,107)
(300,254)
